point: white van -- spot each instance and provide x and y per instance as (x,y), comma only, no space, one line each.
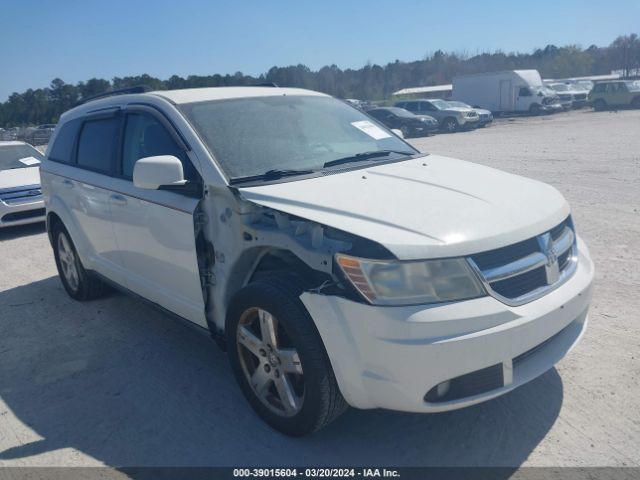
(505,92)
(336,264)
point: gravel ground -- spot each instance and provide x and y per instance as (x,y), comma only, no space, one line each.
(115,382)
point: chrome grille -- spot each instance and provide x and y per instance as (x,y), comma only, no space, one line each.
(519,273)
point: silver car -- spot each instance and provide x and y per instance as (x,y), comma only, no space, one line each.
(20,194)
(451,119)
(486,117)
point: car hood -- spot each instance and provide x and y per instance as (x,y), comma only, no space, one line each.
(19,177)
(428,207)
(458,110)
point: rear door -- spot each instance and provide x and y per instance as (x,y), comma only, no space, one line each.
(506,96)
(154,229)
(78,176)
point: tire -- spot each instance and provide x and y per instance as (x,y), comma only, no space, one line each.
(79,283)
(635,103)
(406,131)
(599,105)
(450,125)
(296,366)
(534,109)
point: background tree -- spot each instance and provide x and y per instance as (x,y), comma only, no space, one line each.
(371,82)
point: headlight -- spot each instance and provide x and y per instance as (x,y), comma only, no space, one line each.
(392,282)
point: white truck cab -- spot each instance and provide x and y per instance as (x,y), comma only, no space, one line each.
(335,263)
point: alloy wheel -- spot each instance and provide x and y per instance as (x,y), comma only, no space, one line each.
(68,262)
(270,362)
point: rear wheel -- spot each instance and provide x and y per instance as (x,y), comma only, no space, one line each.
(599,105)
(450,125)
(279,360)
(79,284)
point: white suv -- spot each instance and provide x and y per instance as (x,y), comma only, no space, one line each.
(335,263)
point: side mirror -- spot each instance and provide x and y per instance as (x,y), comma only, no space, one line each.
(397,132)
(152,173)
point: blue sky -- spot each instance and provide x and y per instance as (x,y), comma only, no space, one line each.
(76,40)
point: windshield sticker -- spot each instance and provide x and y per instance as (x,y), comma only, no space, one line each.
(370,129)
(29,161)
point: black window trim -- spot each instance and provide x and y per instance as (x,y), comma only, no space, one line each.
(72,155)
(158,115)
(197,189)
(102,114)
(162,118)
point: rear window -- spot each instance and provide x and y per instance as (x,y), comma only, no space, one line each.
(62,149)
(97,144)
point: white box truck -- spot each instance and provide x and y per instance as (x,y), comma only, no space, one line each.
(507,91)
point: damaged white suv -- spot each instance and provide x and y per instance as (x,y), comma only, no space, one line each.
(335,263)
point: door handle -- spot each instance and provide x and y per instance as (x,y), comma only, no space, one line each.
(118,199)
(67,183)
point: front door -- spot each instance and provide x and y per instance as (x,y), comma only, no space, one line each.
(154,229)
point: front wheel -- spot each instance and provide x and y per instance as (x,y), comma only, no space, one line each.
(279,360)
(599,105)
(635,103)
(406,132)
(535,109)
(450,125)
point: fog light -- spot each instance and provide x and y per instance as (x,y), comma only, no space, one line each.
(443,388)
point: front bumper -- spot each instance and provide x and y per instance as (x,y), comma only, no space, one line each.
(21,212)
(551,108)
(469,122)
(391,357)
(424,128)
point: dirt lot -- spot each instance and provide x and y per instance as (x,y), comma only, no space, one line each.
(115,382)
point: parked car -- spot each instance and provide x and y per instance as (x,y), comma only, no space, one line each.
(486,117)
(570,96)
(41,134)
(335,263)
(20,194)
(619,93)
(409,124)
(451,119)
(10,134)
(519,91)
(584,84)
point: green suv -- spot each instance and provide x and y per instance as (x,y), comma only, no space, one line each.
(620,93)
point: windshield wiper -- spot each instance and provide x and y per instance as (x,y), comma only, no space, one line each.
(358,157)
(274,174)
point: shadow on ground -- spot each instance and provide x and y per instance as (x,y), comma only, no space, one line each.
(130,386)
(9,233)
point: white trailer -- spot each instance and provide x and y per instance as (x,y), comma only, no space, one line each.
(507,91)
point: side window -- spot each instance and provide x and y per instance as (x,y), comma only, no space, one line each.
(524,92)
(428,107)
(62,148)
(97,144)
(598,88)
(411,106)
(144,136)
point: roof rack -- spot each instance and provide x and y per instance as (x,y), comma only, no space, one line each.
(118,91)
